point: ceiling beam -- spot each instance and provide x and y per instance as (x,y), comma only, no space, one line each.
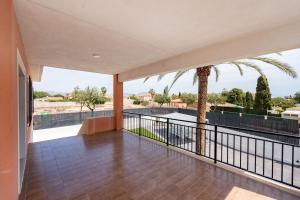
(275,40)
(36,72)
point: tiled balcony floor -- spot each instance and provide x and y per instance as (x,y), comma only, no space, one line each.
(122,166)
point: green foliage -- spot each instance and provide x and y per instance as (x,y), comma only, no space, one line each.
(174,96)
(78,96)
(282,102)
(216,99)
(166,91)
(133,97)
(146,133)
(224,93)
(297,97)
(88,97)
(137,102)
(91,98)
(263,96)
(40,94)
(252,63)
(103,91)
(101,99)
(145,103)
(161,99)
(235,96)
(249,100)
(188,98)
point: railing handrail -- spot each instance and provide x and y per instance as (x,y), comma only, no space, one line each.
(222,126)
(215,144)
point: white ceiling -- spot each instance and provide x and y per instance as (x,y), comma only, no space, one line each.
(136,37)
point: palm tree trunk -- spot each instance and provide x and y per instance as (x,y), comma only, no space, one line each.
(203,73)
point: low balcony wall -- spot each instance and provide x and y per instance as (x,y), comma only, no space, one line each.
(94,125)
(65,119)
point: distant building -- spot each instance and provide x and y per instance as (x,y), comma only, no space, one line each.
(292,113)
(145,97)
(288,97)
(273,112)
(68,96)
(178,103)
(54,98)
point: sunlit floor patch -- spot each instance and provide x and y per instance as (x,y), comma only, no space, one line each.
(55,133)
(238,193)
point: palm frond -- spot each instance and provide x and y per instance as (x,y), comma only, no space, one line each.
(177,76)
(250,65)
(217,71)
(195,78)
(160,76)
(146,79)
(284,67)
(239,67)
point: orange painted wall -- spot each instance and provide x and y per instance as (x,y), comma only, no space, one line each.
(118,103)
(10,40)
(94,125)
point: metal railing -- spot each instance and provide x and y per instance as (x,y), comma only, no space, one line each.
(272,159)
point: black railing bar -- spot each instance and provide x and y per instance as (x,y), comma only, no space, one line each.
(232,134)
(253,154)
(286,183)
(266,140)
(223,126)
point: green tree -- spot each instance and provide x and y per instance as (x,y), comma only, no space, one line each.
(103,91)
(137,102)
(216,99)
(78,96)
(145,103)
(202,74)
(91,98)
(262,101)
(282,102)
(133,97)
(188,98)
(277,101)
(235,96)
(162,98)
(224,93)
(101,99)
(40,94)
(248,100)
(174,96)
(166,91)
(297,97)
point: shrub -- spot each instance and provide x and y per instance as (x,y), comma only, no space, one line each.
(133,97)
(145,103)
(137,102)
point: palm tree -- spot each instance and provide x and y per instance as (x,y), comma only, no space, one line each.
(201,75)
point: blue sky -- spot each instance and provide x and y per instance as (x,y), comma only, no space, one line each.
(61,80)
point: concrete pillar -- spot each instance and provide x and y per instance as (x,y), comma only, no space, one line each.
(8,104)
(118,103)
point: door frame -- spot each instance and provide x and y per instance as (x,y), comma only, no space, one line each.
(21,118)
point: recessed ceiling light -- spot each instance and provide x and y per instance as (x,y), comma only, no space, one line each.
(96,55)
